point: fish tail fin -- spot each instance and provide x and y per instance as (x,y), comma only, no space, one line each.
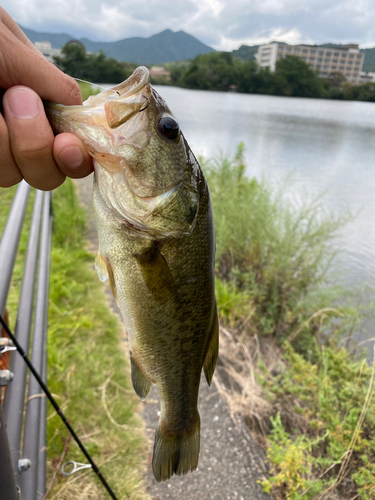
(176,454)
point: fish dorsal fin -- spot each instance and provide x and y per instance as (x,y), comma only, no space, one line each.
(157,275)
(140,382)
(213,349)
(105,271)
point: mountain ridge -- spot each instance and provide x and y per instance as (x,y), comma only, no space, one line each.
(166,46)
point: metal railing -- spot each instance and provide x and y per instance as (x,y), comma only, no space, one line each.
(23,425)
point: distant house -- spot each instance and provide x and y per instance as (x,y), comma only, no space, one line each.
(344,59)
(157,71)
(47,50)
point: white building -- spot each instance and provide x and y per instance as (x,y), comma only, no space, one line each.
(347,59)
(366,77)
(47,50)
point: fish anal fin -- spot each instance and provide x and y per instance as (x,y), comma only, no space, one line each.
(140,382)
(175,453)
(156,273)
(213,349)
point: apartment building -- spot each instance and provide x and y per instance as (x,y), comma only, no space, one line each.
(47,50)
(346,59)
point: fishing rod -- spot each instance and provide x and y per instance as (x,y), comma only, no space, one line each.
(56,406)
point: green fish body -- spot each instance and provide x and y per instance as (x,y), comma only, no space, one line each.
(156,246)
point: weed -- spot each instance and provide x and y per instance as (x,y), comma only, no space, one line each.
(275,253)
(305,398)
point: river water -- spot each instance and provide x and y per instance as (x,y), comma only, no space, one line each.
(329,145)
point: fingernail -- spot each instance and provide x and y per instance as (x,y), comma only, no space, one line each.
(23,104)
(71,156)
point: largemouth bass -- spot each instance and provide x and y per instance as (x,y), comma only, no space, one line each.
(156,246)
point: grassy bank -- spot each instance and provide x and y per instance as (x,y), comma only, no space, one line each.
(88,366)
(307,400)
(305,397)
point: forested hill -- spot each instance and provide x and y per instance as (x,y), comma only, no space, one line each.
(369,64)
(247,53)
(167,46)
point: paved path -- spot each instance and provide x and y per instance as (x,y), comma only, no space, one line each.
(230,463)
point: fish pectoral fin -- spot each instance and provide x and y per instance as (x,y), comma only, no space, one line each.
(156,273)
(101,267)
(213,350)
(175,453)
(140,382)
(105,271)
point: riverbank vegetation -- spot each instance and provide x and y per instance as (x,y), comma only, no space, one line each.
(88,369)
(289,371)
(292,77)
(96,68)
(220,71)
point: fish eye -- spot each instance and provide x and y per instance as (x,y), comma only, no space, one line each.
(168,127)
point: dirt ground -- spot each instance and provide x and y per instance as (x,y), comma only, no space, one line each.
(230,462)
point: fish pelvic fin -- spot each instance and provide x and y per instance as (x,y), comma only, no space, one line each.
(141,384)
(176,454)
(213,350)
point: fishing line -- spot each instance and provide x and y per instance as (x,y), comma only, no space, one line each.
(95,85)
(57,408)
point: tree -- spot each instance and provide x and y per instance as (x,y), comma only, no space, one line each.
(73,60)
(251,78)
(212,71)
(95,68)
(293,77)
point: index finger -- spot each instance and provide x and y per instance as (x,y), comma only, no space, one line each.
(15,29)
(22,65)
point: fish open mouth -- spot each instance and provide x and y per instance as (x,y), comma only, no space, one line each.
(128,98)
(120,103)
(135,83)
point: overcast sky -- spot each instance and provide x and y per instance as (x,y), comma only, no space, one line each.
(224,25)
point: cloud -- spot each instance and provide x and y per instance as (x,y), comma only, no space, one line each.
(218,23)
(292,36)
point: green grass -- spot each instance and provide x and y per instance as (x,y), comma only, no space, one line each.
(266,249)
(88,369)
(87,90)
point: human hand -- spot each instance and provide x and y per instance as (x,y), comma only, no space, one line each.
(28,148)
